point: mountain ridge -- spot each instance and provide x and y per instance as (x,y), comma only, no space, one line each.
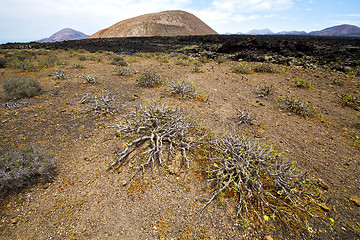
(338,30)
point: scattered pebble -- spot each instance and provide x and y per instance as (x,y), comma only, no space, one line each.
(355,200)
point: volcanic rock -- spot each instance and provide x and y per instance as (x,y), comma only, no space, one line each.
(167,23)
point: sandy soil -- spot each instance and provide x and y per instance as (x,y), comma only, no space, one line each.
(85,201)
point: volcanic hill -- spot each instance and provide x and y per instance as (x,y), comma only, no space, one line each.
(64,35)
(167,23)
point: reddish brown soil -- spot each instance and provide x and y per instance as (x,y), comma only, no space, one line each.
(85,201)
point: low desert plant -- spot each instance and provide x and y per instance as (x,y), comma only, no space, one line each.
(162,59)
(246,117)
(117,60)
(241,69)
(24,166)
(220,59)
(88,78)
(82,58)
(50,60)
(350,99)
(196,69)
(59,74)
(3,62)
(337,82)
(266,68)
(122,71)
(264,183)
(157,133)
(301,83)
(183,88)
(149,78)
(134,59)
(182,62)
(298,106)
(77,66)
(25,65)
(355,136)
(265,90)
(103,103)
(16,88)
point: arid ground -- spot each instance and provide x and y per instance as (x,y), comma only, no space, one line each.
(86,201)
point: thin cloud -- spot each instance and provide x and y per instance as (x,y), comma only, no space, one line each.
(252,5)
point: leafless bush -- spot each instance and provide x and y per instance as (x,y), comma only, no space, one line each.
(60,74)
(88,78)
(164,132)
(23,167)
(102,103)
(264,183)
(246,117)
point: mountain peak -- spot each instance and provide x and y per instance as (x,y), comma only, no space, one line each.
(63,35)
(166,23)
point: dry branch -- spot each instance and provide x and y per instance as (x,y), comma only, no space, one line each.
(163,129)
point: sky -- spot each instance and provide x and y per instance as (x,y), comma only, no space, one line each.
(30,20)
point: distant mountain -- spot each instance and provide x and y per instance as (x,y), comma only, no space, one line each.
(292,33)
(340,30)
(167,23)
(65,34)
(265,31)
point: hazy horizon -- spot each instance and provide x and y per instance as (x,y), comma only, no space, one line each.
(31,20)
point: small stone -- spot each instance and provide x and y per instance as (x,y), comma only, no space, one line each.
(176,166)
(323,184)
(355,200)
(268,237)
(15,220)
(324,207)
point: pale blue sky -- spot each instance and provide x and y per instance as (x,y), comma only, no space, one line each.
(28,20)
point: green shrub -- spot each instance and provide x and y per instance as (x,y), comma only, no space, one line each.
(117,60)
(49,60)
(162,59)
(25,65)
(298,106)
(241,69)
(266,68)
(23,167)
(182,87)
(122,71)
(220,59)
(134,59)
(16,88)
(301,83)
(182,62)
(350,99)
(3,62)
(149,78)
(82,57)
(196,69)
(265,90)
